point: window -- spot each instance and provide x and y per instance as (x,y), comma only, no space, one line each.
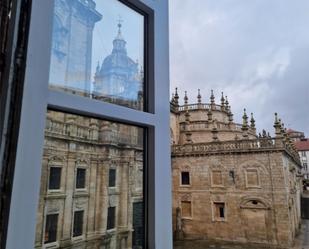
(83,129)
(185,178)
(111,216)
(112,178)
(54,178)
(219,211)
(78,223)
(186,209)
(80,178)
(51,228)
(303,153)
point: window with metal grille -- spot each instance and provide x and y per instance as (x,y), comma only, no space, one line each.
(51,228)
(111,218)
(80,178)
(54,178)
(112,178)
(78,223)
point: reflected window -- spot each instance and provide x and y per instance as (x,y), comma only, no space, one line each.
(86,148)
(112,178)
(78,223)
(54,178)
(51,228)
(80,178)
(111,218)
(98,51)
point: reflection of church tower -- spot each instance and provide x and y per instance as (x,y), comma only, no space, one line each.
(118,77)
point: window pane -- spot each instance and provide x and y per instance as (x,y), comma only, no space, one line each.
(185,178)
(80,178)
(111,218)
(85,148)
(98,51)
(78,223)
(51,228)
(54,177)
(112,178)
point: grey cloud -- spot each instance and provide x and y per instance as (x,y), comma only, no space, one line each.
(255,51)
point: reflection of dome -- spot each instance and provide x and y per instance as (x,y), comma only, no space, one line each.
(118,75)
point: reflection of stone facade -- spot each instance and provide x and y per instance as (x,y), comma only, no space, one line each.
(73,142)
(72,43)
(241,187)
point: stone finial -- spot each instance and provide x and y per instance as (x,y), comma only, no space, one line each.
(230,114)
(277,125)
(186,98)
(252,122)
(244,121)
(176,97)
(222,102)
(212,98)
(226,102)
(264,134)
(173,99)
(199,97)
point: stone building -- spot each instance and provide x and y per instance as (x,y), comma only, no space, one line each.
(230,184)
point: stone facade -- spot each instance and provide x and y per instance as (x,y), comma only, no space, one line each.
(73,142)
(229,183)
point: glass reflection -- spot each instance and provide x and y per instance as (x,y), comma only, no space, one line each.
(98,51)
(91,193)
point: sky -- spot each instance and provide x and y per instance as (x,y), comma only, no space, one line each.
(255,51)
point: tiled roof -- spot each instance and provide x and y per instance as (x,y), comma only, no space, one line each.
(302,145)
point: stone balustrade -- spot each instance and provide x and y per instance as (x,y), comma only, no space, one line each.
(237,146)
(76,131)
(197,106)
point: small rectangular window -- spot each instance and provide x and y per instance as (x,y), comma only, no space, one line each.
(80,178)
(112,178)
(185,178)
(51,228)
(54,178)
(111,218)
(219,211)
(78,223)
